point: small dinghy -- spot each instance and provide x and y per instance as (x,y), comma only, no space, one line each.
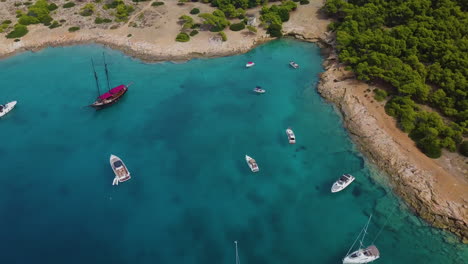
(342,183)
(4,109)
(250,64)
(291,136)
(121,172)
(362,255)
(293,64)
(252,163)
(259,90)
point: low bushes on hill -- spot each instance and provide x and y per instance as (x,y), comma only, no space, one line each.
(380,95)
(73,29)
(182,37)
(194,11)
(464,148)
(193,32)
(68,5)
(237,26)
(157,3)
(223,35)
(100,20)
(18,31)
(55,24)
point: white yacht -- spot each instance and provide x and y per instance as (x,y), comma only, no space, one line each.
(252,163)
(259,90)
(293,64)
(342,183)
(291,136)
(362,255)
(4,109)
(250,64)
(120,170)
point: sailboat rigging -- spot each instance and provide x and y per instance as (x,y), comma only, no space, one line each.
(112,95)
(362,255)
(237,254)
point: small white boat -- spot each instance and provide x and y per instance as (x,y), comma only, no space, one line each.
(362,255)
(252,163)
(342,183)
(250,64)
(259,90)
(291,136)
(293,64)
(121,172)
(4,109)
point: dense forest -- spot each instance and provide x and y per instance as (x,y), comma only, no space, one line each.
(419,48)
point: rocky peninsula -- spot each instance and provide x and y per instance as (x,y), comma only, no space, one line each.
(437,190)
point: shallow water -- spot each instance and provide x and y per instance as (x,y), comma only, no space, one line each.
(183,131)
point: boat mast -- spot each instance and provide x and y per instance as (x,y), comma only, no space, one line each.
(95,77)
(107,72)
(365,232)
(237,254)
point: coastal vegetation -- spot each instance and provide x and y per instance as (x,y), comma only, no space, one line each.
(18,31)
(182,37)
(73,29)
(419,48)
(157,3)
(68,5)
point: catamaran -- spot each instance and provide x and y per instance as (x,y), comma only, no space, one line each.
(342,183)
(120,170)
(4,109)
(291,136)
(362,255)
(252,163)
(110,97)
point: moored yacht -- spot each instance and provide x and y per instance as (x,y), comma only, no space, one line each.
(252,163)
(4,109)
(291,136)
(362,255)
(250,64)
(120,170)
(259,90)
(342,183)
(293,64)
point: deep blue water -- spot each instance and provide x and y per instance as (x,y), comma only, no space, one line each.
(183,131)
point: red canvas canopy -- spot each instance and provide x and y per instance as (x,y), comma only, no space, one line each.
(112,92)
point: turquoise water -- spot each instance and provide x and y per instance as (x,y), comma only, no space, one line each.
(183,131)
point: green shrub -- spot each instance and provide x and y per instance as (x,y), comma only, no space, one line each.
(68,5)
(157,3)
(17,40)
(28,20)
(62,21)
(196,25)
(73,29)
(87,9)
(55,24)
(136,1)
(237,26)
(194,11)
(223,35)
(123,11)
(6,22)
(252,29)
(52,7)
(100,20)
(464,148)
(380,95)
(18,31)
(304,2)
(193,33)
(182,37)
(275,30)
(129,35)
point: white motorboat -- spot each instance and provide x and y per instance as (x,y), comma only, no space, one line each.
(291,136)
(362,255)
(250,64)
(259,90)
(121,172)
(4,109)
(252,163)
(293,64)
(342,183)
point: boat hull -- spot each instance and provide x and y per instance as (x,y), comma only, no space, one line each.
(291,136)
(360,256)
(121,173)
(248,65)
(253,168)
(8,107)
(98,105)
(339,187)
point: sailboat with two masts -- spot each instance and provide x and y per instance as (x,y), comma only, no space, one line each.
(362,255)
(110,97)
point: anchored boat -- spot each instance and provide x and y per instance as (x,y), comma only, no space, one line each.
(362,255)
(120,170)
(342,183)
(250,64)
(4,109)
(110,97)
(291,136)
(252,163)
(293,64)
(259,90)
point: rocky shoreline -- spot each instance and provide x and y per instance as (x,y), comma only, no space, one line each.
(419,187)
